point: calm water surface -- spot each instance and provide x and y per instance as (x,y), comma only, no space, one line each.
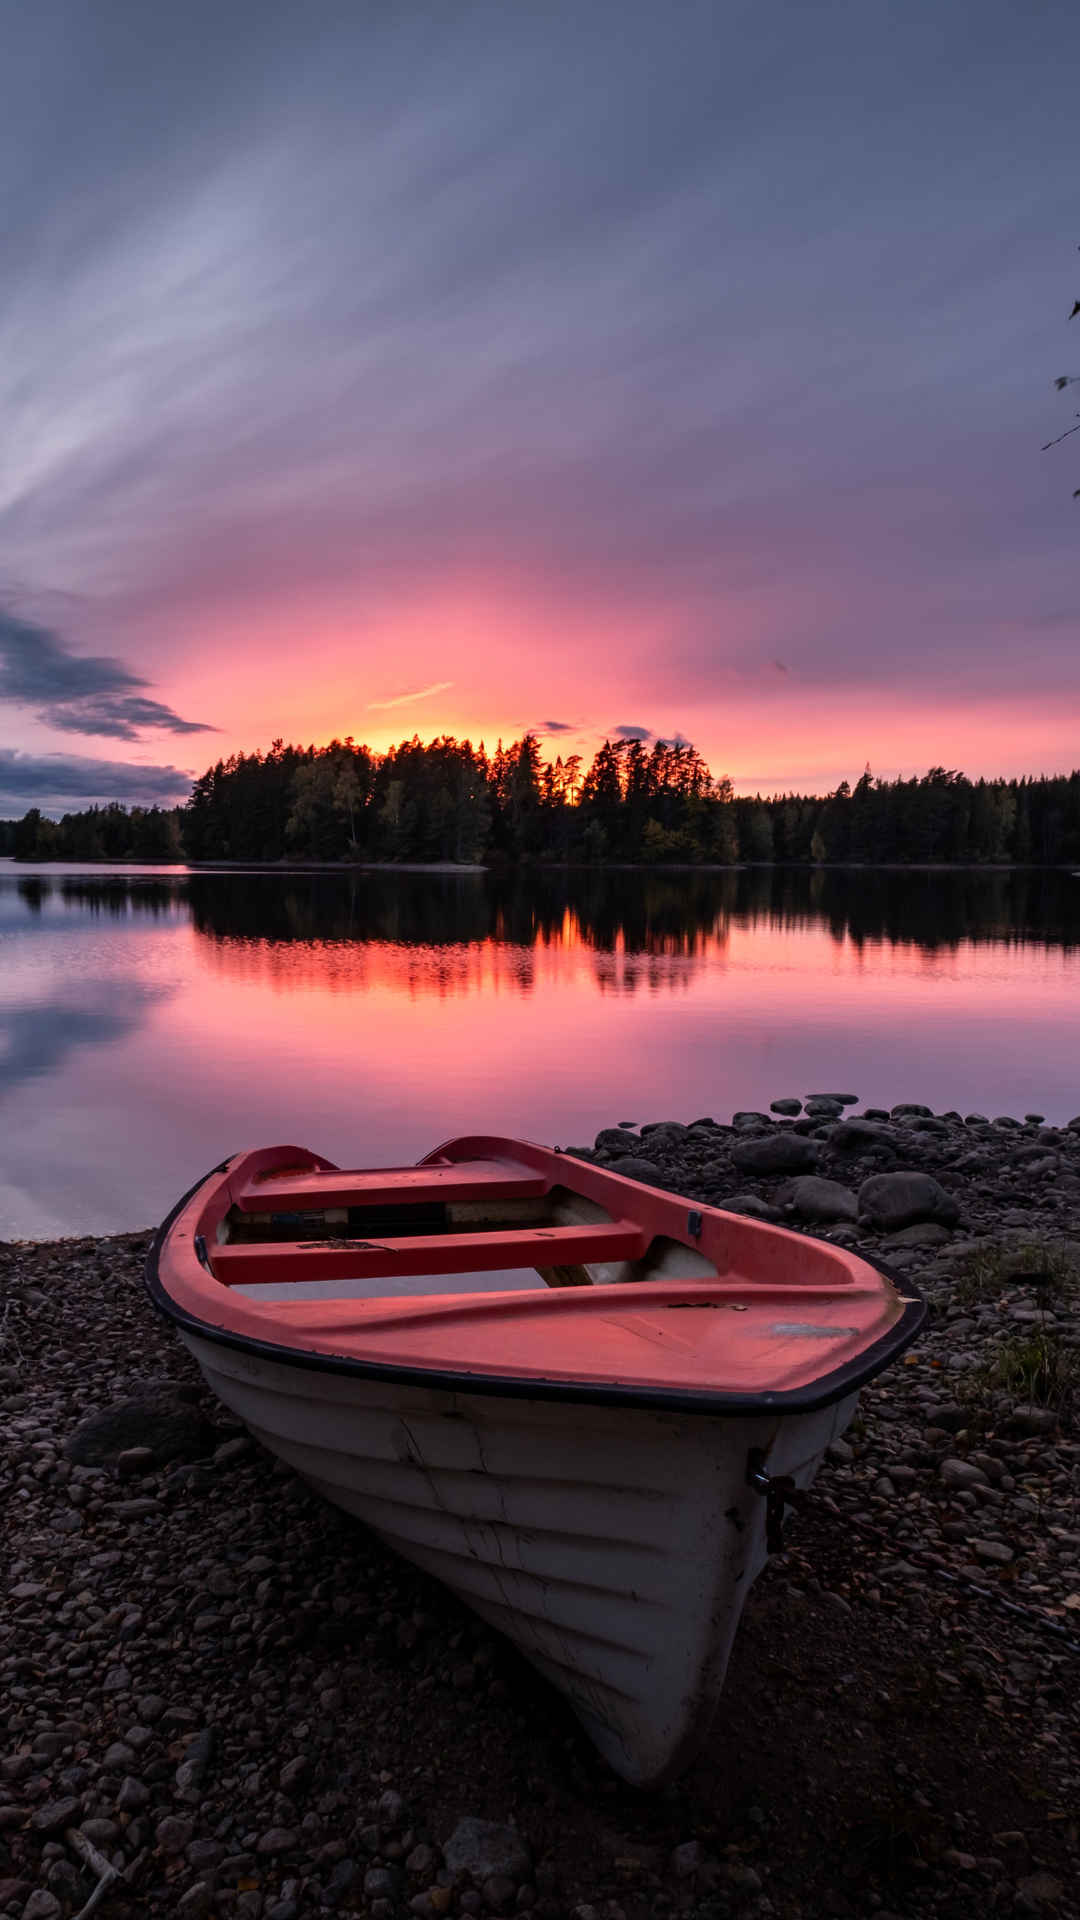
(151,1022)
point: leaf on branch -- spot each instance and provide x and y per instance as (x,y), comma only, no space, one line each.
(1062,380)
(1076,310)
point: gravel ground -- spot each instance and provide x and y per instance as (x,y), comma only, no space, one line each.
(229,1696)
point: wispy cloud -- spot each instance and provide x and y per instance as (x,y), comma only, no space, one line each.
(55,780)
(633,733)
(79,693)
(554,726)
(406,699)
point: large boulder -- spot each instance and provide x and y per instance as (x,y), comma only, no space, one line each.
(861,1136)
(888,1201)
(163,1420)
(613,1140)
(784,1151)
(816,1199)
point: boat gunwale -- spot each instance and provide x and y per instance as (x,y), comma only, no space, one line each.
(824,1391)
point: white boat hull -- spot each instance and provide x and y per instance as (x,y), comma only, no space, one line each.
(614,1548)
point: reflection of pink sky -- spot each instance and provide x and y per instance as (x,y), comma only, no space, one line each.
(375,1052)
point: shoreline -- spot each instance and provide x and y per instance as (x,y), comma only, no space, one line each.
(254,1710)
(542,867)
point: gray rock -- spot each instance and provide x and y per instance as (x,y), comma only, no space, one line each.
(192,1770)
(861,1136)
(173,1833)
(779,1152)
(751,1204)
(1027,1420)
(55,1815)
(910,1110)
(820,1108)
(889,1201)
(925,1233)
(276,1840)
(961,1473)
(791,1107)
(837,1099)
(687,1859)
(167,1427)
(133,1461)
(633,1166)
(382,1883)
(482,1848)
(994,1552)
(749,1121)
(133,1796)
(42,1905)
(610,1140)
(816,1199)
(195,1903)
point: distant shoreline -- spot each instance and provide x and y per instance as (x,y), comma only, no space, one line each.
(548,866)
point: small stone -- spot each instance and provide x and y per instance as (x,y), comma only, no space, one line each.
(42,1905)
(195,1903)
(687,1859)
(192,1770)
(382,1883)
(482,1848)
(117,1680)
(276,1840)
(786,1106)
(422,1859)
(499,1890)
(173,1833)
(925,1233)
(55,1815)
(994,1552)
(750,1204)
(132,1795)
(232,1451)
(960,1473)
(134,1460)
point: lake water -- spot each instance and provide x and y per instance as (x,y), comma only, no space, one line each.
(152,1022)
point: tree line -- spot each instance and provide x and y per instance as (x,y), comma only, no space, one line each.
(446,800)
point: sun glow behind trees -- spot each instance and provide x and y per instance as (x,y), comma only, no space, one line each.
(447,801)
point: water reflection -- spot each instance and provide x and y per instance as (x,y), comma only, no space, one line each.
(678,917)
(154,1022)
(36,1041)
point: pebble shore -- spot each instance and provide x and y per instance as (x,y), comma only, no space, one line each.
(219,1696)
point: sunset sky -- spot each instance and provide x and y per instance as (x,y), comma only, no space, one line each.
(676,368)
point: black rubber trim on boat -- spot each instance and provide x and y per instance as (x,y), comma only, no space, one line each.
(821,1393)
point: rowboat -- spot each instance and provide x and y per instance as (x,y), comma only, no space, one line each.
(579,1402)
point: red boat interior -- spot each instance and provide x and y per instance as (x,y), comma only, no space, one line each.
(501,1258)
